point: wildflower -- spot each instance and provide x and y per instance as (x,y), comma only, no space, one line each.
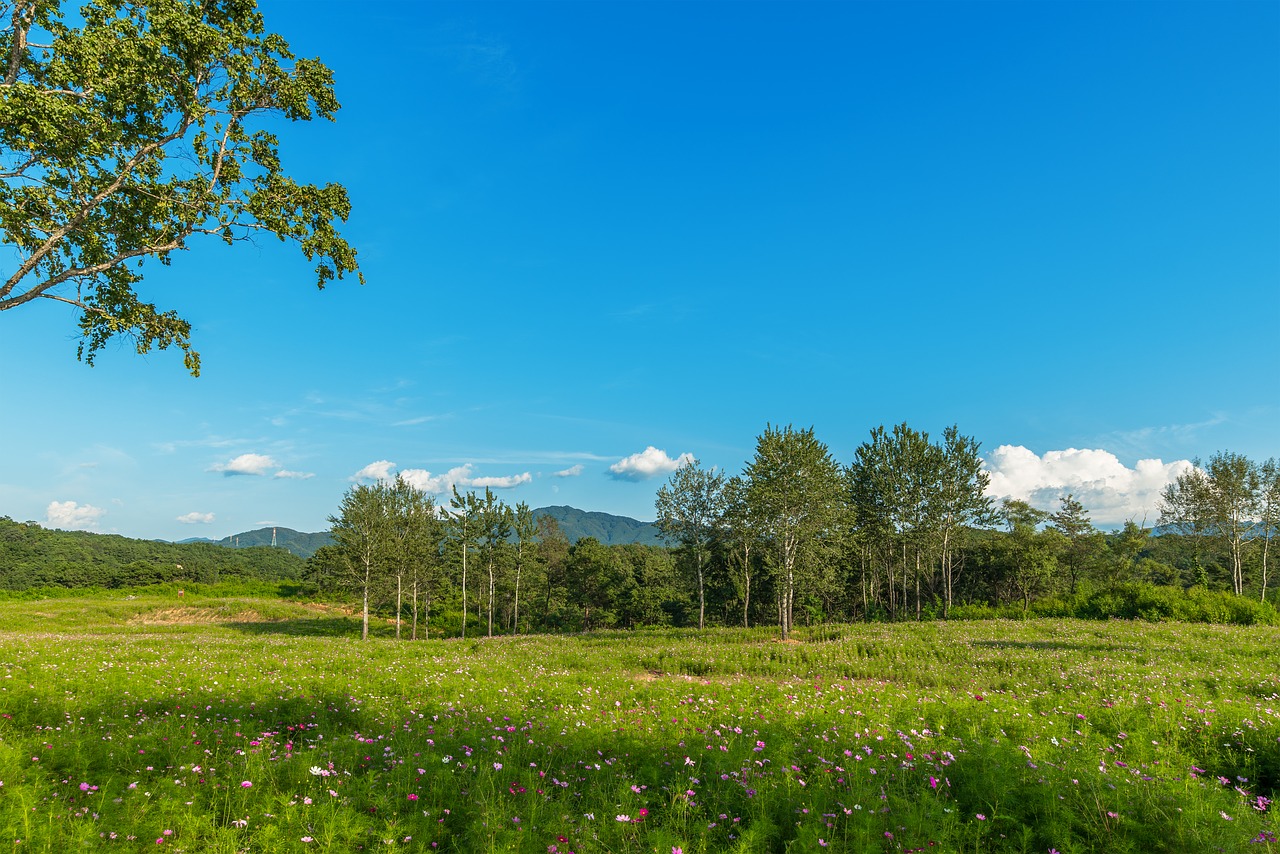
(412,796)
(624,818)
(1225,817)
(246,785)
(497,766)
(981,817)
(308,839)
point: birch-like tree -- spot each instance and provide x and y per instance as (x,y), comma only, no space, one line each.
(794,491)
(361,531)
(525,528)
(690,506)
(463,531)
(495,521)
(1221,499)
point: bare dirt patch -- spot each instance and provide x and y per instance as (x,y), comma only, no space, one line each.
(193,616)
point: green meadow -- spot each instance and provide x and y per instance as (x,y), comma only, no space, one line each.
(224,723)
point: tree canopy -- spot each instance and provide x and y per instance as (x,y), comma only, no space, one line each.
(129,128)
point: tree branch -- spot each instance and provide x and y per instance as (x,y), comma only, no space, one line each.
(23,13)
(85,210)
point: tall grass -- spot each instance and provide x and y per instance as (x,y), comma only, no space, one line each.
(236,724)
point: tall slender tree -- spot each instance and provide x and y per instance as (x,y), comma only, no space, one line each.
(526,531)
(794,494)
(1268,514)
(494,528)
(1072,521)
(361,531)
(742,541)
(464,528)
(1220,499)
(690,506)
(963,503)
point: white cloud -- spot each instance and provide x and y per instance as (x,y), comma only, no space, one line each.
(508,482)
(571,471)
(1109,490)
(650,462)
(69,515)
(194,518)
(247,464)
(380,470)
(294,475)
(437,484)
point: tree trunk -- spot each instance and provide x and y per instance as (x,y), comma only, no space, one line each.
(515,623)
(464,587)
(1266,548)
(918,616)
(491,597)
(399,603)
(364,631)
(702,598)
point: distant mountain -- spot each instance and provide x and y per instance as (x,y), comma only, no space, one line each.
(302,544)
(605,527)
(574,523)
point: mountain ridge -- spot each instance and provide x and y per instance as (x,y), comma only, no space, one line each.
(575,524)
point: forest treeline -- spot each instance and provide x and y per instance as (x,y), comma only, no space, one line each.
(906,530)
(32,556)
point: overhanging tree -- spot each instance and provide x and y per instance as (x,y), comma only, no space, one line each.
(130,128)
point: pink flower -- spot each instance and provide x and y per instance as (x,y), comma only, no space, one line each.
(981,817)
(412,796)
(246,785)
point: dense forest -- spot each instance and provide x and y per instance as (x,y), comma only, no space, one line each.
(32,557)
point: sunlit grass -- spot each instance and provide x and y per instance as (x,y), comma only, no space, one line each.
(126,718)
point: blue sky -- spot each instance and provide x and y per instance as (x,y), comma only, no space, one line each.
(594,229)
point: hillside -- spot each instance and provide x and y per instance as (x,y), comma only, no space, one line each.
(33,556)
(605,527)
(302,544)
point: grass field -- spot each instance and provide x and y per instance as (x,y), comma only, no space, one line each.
(225,724)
